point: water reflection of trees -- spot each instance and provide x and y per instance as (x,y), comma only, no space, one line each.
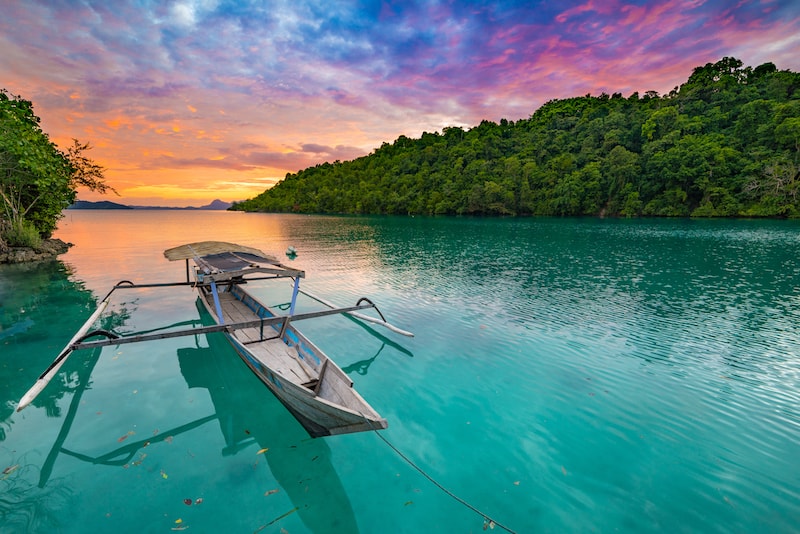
(41,307)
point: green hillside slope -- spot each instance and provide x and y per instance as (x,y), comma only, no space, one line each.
(726,143)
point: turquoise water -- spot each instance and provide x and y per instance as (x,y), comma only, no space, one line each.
(567,375)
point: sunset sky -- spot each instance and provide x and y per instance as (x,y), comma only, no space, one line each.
(191,100)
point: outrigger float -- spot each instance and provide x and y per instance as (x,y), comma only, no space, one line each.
(308,383)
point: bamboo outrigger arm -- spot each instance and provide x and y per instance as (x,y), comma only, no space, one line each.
(51,371)
(361,316)
(114,340)
(78,341)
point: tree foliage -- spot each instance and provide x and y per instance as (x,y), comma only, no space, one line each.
(37,179)
(725,143)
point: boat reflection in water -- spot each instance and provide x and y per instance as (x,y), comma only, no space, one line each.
(249,419)
(249,416)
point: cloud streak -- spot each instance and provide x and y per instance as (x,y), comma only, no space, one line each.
(181,96)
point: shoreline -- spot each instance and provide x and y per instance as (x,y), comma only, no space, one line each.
(49,250)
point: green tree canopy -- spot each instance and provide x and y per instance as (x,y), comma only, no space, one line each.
(37,179)
(725,143)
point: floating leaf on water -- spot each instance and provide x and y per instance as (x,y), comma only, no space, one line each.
(262,451)
(178,521)
(270,492)
(163,474)
(168,439)
(516,482)
(408,502)
(563,469)
(122,438)
(199,500)
(10,469)
(247,432)
(146,443)
(187,502)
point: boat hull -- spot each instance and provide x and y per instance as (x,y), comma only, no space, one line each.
(330,407)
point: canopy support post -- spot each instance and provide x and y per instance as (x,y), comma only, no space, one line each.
(295,291)
(217,306)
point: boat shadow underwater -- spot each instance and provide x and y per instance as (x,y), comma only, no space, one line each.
(317,392)
(302,466)
(313,396)
(247,420)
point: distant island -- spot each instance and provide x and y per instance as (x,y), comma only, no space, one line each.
(107,205)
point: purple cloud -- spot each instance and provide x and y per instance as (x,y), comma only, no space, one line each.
(208,84)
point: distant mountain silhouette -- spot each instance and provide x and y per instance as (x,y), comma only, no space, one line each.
(106,205)
(102,205)
(216,204)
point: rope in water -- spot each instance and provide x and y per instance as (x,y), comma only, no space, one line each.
(488,521)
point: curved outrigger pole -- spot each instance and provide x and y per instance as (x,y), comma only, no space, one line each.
(317,392)
(51,371)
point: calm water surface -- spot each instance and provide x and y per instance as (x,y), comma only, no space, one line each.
(566,376)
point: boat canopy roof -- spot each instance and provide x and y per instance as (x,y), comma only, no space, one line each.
(204,248)
(219,260)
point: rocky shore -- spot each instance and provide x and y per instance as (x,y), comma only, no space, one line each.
(49,249)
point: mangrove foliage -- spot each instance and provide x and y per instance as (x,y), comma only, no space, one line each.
(725,143)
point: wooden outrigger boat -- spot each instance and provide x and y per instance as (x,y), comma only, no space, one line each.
(308,383)
(311,386)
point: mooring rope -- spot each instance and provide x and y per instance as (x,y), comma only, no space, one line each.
(487,521)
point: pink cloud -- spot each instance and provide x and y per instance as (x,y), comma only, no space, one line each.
(235,97)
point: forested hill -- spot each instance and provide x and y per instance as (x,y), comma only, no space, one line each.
(726,143)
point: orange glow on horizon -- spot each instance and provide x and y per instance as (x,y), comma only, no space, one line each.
(150,107)
(180,188)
